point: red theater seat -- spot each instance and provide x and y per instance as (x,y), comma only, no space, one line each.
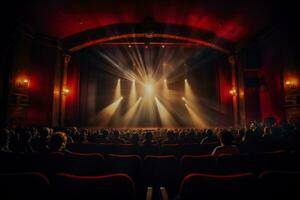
(203,186)
(279,185)
(49,163)
(228,164)
(24,186)
(92,148)
(127,164)
(161,171)
(10,162)
(149,150)
(115,186)
(170,149)
(125,149)
(197,149)
(275,160)
(197,164)
(83,164)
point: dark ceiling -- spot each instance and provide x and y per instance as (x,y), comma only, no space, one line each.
(228,19)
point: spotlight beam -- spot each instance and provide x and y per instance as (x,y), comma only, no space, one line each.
(197,121)
(165,117)
(188,92)
(130,115)
(132,95)
(118,90)
(105,115)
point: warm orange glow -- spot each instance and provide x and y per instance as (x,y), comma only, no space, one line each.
(118,90)
(22,82)
(197,121)
(291,83)
(188,92)
(165,90)
(66,91)
(233,92)
(164,115)
(130,115)
(106,114)
(149,89)
(132,95)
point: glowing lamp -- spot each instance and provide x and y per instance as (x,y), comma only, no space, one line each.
(185,80)
(65,91)
(163,46)
(149,88)
(233,92)
(291,83)
(129,46)
(23,83)
(183,99)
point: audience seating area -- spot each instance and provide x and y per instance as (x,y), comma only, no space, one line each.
(187,170)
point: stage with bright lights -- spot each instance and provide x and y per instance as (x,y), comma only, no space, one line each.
(157,86)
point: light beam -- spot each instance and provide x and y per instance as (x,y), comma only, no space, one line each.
(118,90)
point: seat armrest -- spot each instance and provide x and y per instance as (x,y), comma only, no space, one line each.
(149,193)
(164,193)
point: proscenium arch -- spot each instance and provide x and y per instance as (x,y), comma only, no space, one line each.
(154,35)
(117,34)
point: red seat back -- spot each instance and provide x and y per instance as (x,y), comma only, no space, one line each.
(161,171)
(83,164)
(116,186)
(203,186)
(127,164)
(24,186)
(197,164)
(279,185)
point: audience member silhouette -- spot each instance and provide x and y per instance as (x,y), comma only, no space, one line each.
(148,139)
(25,137)
(135,139)
(115,138)
(209,137)
(58,142)
(227,147)
(4,140)
(171,138)
(41,143)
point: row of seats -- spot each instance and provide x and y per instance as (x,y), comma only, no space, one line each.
(154,171)
(97,164)
(173,149)
(268,185)
(166,149)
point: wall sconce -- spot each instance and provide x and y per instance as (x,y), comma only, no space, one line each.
(233,92)
(65,91)
(290,84)
(23,83)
